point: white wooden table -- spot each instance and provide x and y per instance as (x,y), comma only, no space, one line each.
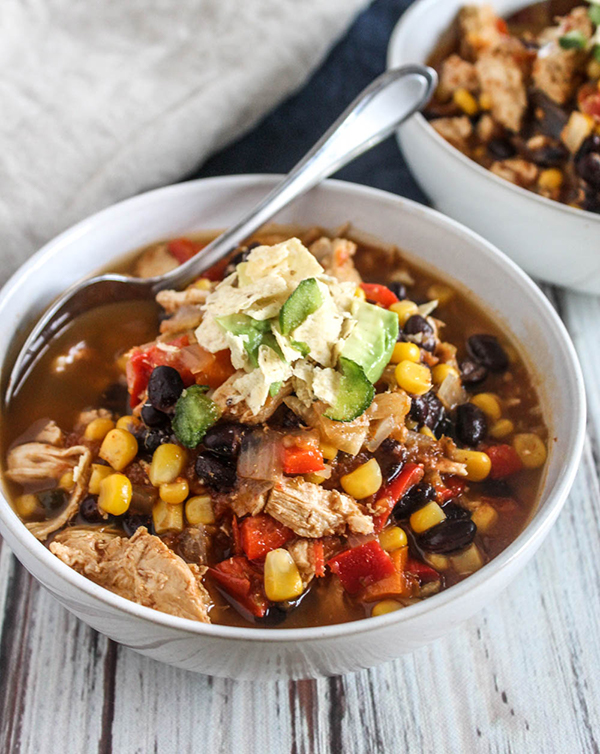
(523,676)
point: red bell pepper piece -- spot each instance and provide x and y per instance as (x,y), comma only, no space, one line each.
(389,495)
(261,534)
(423,571)
(505,461)
(217,271)
(396,585)
(455,486)
(237,577)
(379,294)
(361,566)
(183,249)
(302,460)
(319,558)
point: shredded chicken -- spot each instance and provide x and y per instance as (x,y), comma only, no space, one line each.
(303,553)
(517,171)
(456,74)
(455,130)
(142,569)
(336,256)
(51,434)
(310,511)
(479,29)
(249,497)
(226,399)
(502,73)
(156,260)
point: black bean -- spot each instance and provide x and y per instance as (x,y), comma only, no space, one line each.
(132,522)
(226,439)
(391,457)
(415,498)
(150,439)
(214,471)
(449,536)
(89,511)
(501,149)
(472,373)
(115,398)
(52,500)
(273,617)
(427,410)
(418,330)
(589,145)
(485,350)
(239,257)
(445,428)
(399,289)
(164,387)
(471,424)
(591,200)
(154,418)
(549,155)
(588,168)
(454,512)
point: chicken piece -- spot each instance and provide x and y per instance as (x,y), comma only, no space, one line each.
(455,130)
(310,511)
(172,301)
(51,434)
(336,256)
(249,497)
(487,128)
(303,553)
(88,416)
(517,171)
(480,29)
(38,461)
(226,397)
(142,569)
(156,260)
(502,73)
(456,73)
(556,71)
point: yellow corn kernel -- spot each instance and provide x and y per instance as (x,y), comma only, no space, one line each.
(122,362)
(406,352)
(363,481)
(593,69)
(427,517)
(489,404)
(414,378)
(441,371)
(99,473)
(118,448)
(410,424)
(359,293)
(329,451)
(404,309)
(167,464)
(439,562)
(484,517)
(440,293)
(28,506)
(393,538)
(166,517)
(115,494)
(66,481)
(385,606)
(282,578)
(550,179)
(97,429)
(128,422)
(174,492)
(203,284)
(478,464)
(501,428)
(427,432)
(199,510)
(467,561)
(465,100)
(485,101)
(530,449)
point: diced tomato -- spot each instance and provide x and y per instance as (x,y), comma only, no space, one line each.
(183,249)
(219,370)
(141,363)
(588,98)
(241,581)
(387,498)
(502,26)
(505,461)
(423,571)
(454,486)
(236,536)
(396,585)
(261,534)
(319,558)
(216,272)
(379,294)
(302,460)
(361,566)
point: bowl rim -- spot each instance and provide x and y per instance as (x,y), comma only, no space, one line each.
(535,529)
(395,59)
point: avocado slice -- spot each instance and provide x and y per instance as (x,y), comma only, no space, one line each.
(371,342)
(355,394)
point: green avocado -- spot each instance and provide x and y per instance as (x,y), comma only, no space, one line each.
(371,342)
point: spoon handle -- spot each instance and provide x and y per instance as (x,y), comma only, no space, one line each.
(373,116)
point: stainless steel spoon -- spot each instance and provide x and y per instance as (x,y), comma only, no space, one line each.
(375,114)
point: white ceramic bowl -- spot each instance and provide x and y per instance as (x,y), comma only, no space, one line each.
(549,240)
(438,242)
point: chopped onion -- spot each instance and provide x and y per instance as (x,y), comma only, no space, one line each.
(260,457)
(384,429)
(451,392)
(195,358)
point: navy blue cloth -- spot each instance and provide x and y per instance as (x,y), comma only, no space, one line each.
(281,139)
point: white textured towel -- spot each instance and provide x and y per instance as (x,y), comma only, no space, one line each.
(105,98)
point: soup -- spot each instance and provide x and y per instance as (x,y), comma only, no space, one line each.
(297,439)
